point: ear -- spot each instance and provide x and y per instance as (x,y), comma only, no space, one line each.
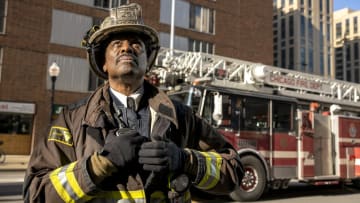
(105,67)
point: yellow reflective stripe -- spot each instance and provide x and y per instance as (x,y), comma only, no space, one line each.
(212,175)
(59,187)
(74,183)
(122,194)
(187,195)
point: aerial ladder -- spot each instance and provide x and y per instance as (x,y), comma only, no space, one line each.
(239,74)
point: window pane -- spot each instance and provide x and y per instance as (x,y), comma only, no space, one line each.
(205,20)
(211,21)
(2,15)
(256,114)
(282,116)
(11,123)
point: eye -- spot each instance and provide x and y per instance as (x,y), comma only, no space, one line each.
(137,46)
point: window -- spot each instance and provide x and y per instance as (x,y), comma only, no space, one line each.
(347,25)
(16,118)
(283,26)
(69,28)
(255,113)
(356,75)
(311,61)
(3,5)
(239,112)
(109,3)
(338,31)
(355,24)
(201,46)
(283,58)
(302,25)
(356,51)
(180,43)
(348,75)
(202,19)
(282,114)
(14,123)
(291,58)
(291,26)
(74,73)
(181,19)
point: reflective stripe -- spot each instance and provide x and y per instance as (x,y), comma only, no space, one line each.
(74,185)
(133,196)
(58,186)
(212,174)
(66,185)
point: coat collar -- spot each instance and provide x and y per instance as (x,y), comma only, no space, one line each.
(99,105)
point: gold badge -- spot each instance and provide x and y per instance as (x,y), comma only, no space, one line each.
(60,134)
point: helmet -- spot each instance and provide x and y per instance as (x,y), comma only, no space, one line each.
(123,19)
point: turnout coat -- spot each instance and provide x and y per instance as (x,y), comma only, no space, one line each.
(57,171)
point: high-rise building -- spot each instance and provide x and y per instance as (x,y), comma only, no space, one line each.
(346,44)
(302,35)
(36,33)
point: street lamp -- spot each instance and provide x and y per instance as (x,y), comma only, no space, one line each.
(54,71)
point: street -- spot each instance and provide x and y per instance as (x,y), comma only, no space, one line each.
(11,182)
(302,193)
(11,185)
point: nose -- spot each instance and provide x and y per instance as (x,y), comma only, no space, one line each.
(126,47)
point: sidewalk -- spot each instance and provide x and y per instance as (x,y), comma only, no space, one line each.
(15,162)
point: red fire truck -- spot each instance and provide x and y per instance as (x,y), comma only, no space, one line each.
(285,125)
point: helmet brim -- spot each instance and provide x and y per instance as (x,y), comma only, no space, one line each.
(146,33)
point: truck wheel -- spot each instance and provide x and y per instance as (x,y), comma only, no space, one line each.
(253,183)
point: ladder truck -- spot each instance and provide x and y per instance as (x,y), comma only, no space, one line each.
(285,125)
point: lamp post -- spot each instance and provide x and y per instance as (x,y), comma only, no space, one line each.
(54,71)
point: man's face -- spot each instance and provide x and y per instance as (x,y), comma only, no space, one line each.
(125,58)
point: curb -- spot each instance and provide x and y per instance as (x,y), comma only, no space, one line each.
(15,162)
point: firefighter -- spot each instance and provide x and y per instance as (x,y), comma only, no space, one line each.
(128,142)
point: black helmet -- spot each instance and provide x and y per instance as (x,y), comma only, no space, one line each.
(123,19)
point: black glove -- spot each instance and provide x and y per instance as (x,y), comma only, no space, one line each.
(162,156)
(121,146)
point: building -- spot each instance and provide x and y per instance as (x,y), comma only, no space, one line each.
(36,33)
(346,44)
(303,35)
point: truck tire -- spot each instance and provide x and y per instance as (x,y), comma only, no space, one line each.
(254,182)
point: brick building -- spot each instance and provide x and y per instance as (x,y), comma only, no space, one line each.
(36,33)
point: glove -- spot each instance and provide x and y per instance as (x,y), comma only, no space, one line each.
(162,156)
(121,146)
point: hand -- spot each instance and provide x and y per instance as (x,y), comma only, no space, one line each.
(121,146)
(159,156)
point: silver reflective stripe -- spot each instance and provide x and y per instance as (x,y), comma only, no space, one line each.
(213,171)
(65,184)
(212,175)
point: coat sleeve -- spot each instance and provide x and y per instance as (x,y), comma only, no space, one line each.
(54,174)
(218,167)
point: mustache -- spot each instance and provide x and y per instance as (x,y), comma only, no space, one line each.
(118,58)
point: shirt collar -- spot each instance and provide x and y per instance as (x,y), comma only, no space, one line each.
(123,98)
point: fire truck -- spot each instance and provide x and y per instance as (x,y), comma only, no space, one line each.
(285,125)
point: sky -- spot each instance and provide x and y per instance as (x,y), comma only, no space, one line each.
(353,4)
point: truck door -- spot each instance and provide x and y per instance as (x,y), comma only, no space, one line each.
(284,142)
(323,146)
(316,145)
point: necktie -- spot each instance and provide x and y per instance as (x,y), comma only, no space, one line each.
(131,113)
(131,103)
